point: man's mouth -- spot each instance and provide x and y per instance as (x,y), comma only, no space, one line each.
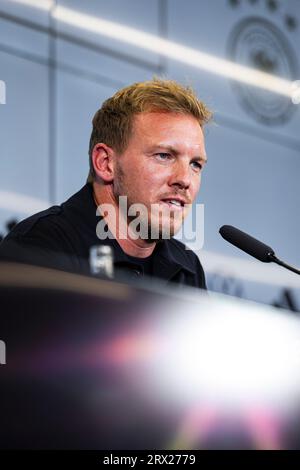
(174,203)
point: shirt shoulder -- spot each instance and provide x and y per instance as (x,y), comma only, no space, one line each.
(30,225)
(41,239)
(48,228)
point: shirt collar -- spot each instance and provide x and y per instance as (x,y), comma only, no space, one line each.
(171,259)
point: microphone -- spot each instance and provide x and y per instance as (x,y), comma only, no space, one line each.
(252,246)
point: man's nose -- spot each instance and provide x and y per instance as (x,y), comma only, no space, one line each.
(181,175)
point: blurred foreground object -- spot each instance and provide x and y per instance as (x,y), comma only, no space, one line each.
(101,261)
(95,364)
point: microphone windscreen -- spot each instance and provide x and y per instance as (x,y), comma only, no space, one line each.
(247,243)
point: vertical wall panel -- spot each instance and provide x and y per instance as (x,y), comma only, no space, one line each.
(24,128)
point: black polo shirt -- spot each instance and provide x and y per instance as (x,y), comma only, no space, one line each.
(61,236)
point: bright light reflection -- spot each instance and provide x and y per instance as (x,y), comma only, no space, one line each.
(40,4)
(231,355)
(170,49)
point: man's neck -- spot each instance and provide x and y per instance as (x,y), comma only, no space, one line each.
(118,226)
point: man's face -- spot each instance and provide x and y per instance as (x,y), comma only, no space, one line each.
(161,166)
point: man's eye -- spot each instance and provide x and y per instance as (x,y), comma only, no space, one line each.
(197,166)
(163,156)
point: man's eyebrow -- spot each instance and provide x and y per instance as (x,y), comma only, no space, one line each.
(203,159)
(171,149)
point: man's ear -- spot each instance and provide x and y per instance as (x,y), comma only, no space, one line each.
(103,162)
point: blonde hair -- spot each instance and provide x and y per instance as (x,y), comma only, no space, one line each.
(112,123)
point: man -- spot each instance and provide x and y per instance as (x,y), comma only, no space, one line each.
(146,150)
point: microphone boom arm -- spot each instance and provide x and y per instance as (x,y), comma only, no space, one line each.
(276,260)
